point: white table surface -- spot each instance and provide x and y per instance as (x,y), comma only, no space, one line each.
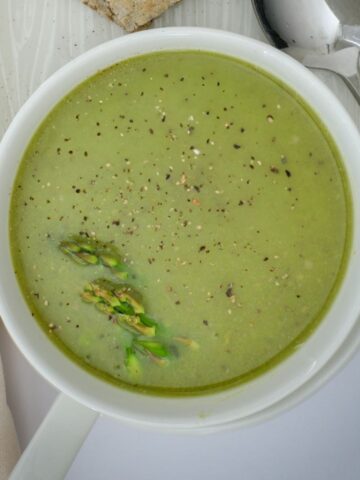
(319,439)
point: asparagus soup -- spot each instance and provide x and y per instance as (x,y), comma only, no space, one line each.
(180,222)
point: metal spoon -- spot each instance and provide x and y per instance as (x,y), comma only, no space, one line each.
(312,31)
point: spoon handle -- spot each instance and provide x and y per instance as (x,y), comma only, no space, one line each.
(353,83)
(353,80)
(345,62)
(351,34)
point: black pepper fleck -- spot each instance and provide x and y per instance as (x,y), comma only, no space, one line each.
(229,291)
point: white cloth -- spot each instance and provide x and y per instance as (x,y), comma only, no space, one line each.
(9,446)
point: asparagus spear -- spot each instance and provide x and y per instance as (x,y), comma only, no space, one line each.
(120,303)
(153,349)
(92,252)
(132,363)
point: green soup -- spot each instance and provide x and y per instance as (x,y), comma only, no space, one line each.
(226,199)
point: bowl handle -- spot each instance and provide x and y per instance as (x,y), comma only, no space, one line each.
(55,444)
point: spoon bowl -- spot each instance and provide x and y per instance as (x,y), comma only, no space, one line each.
(310,25)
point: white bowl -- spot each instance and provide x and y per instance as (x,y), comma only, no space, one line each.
(234,405)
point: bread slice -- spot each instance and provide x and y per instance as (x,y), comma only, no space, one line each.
(130,14)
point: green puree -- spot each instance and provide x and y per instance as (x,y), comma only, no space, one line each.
(222,191)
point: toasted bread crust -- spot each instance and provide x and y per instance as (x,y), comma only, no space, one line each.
(130,14)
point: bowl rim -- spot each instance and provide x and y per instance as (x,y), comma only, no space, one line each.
(182,412)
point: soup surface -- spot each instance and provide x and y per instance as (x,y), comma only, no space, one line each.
(225,198)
